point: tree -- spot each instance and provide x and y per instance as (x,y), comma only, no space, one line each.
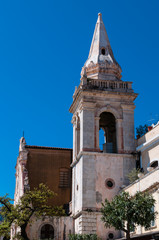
(141,130)
(126,211)
(33,202)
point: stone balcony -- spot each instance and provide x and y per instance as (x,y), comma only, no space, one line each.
(104,85)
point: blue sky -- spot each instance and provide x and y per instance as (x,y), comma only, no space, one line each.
(43,46)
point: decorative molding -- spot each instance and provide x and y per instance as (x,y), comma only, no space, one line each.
(150,143)
(109,108)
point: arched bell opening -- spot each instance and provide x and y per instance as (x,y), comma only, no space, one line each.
(47,232)
(102,138)
(107,132)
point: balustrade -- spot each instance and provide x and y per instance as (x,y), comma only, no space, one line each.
(109,84)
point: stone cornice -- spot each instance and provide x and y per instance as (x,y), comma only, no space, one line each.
(128,107)
(90,211)
(96,153)
(81,92)
(106,69)
(85,105)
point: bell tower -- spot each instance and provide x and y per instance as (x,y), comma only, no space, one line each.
(103,109)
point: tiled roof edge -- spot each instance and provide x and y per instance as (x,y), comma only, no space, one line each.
(42,147)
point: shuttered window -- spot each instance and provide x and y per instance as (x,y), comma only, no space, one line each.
(64,178)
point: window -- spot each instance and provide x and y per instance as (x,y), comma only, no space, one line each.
(64,180)
(153,221)
(103,51)
(109,183)
(154,164)
(132,227)
(110,236)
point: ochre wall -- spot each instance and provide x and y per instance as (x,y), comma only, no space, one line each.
(44,165)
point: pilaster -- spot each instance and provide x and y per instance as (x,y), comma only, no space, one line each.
(120,141)
(97,133)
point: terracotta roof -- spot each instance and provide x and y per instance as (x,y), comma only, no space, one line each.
(49,148)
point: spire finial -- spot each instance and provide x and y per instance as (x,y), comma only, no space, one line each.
(22,144)
(99,17)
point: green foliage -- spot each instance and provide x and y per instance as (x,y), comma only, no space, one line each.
(133,175)
(5,229)
(31,203)
(83,237)
(6,212)
(125,211)
(141,130)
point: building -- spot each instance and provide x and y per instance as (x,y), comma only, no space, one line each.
(50,166)
(102,101)
(148,148)
(47,165)
(102,108)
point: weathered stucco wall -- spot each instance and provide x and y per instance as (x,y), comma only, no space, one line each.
(111,166)
(103,232)
(63,226)
(149,135)
(148,146)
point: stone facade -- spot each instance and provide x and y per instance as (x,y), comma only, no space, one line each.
(62,226)
(102,101)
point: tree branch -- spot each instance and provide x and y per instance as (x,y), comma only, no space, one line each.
(5,204)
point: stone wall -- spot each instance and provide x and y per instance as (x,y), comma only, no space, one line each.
(63,226)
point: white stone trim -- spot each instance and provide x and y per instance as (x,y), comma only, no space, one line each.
(148,144)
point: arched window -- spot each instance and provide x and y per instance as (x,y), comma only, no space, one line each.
(103,51)
(47,232)
(154,164)
(108,124)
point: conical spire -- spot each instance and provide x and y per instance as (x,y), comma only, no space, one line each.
(100,38)
(101,54)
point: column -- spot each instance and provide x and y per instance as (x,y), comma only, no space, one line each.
(97,132)
(119,135)
(74,138)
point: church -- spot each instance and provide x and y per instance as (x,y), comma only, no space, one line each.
(104,150)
